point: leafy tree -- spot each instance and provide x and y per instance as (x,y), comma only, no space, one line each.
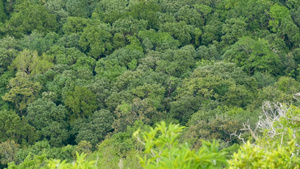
(28,17)
(58,8)
(23,91)
(179,30)
(49,121)
(128,114)
(177,62)
(79,163)
(81,101)
(189,15)
(75,25)
(8,151)
(129,26)
(253,55)
(96,128)
(109,68)
(145,11)
(4,81)
(78,8)
(30,63)
(233,30)
(8,50)
(111,10)
(95,40)
(36,41)
(157,41)
(16,129)
(212,31)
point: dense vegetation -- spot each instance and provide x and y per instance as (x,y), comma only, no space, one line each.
(149,84)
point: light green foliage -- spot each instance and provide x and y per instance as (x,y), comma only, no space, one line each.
(162,150)
(32,64)
(277,13)
(277,147)
(212,31)
(126,55)
(150,93)
(109,68)
(251,156)
(81,101)
(4,81)
(283,24)
(78,164)
(91,72)
(43,151)
(31,161)
(209,126)
(22,91)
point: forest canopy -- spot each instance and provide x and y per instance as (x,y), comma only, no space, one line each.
(149,84)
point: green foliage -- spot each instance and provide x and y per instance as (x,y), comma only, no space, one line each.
(95,40)
(16,128)
(22,91)
(96,128)
(8,52)
(49,121)
(32,64)
(28,17)
(8,151)
(253,55)
(89,72)
(78,8)
(162,150)
(275,149)
(81,101)
(79,163)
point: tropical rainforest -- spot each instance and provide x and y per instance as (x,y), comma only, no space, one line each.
(130,84)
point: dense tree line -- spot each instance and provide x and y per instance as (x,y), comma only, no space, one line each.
(92,81)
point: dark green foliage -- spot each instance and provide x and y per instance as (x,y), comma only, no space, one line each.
(96,128)
(49,121)
(16,128)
